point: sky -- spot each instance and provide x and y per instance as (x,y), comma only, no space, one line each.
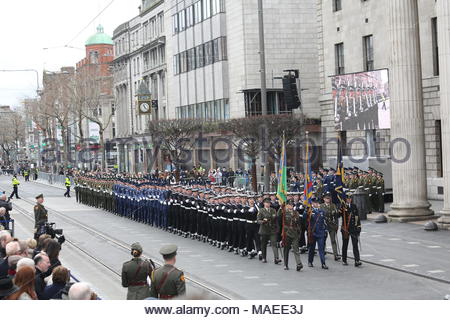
(29,26)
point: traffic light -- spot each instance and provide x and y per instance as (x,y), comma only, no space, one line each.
(291,92)
(155,104)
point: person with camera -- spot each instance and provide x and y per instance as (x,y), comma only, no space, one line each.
(135,273)
(40,216)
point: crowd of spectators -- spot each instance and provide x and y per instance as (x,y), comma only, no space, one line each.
(31,270)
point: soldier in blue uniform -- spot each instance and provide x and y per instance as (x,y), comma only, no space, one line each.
(316,233)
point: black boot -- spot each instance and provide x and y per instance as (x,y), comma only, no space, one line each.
(299,267)
(324,266)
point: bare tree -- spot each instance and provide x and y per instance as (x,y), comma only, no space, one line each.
(92,94)
(174,136)
(12,135)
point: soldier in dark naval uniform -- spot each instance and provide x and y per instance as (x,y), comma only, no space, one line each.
(135,273)
(351,229)
(40,216)
(168,282)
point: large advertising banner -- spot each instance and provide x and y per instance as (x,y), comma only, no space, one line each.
(362,101)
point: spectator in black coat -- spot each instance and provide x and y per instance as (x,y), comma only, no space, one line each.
(52,249)
(60,278)
(42,263)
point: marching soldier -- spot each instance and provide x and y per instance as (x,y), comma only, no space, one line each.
(351,229)
(316,233)
(168,282)
(40,216)
(268,230)
(292,228)
(332,221)
(67,183)
(380,192)
(135,273)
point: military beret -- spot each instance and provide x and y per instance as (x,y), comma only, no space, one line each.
(290,202)
(39,196)
(314,199)
(327,195)
(136,246)
(168,249)
(266,200)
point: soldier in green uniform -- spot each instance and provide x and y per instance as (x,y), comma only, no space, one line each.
(40,216)
(135,273)
(380,192)
(268,229)
(332,221)
(168,282)
(292,227)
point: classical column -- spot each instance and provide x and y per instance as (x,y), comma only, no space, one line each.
(407,119)
(443,20)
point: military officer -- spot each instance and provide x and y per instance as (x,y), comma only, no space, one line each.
(135,273)
(268,229)
(351,229)
(40,216)
(168,282)
(292,228)
(316,233)
(332,221)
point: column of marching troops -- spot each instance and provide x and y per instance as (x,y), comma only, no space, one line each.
(234,221)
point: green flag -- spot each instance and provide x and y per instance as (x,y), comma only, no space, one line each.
(282,177)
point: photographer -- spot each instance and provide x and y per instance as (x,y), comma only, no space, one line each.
(40,216)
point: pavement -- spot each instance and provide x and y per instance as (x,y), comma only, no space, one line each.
(402,261)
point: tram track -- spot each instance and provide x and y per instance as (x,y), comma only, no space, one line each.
(119,244)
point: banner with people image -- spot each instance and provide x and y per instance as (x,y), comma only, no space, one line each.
(362,101)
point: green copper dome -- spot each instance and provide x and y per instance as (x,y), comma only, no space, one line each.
(99,38)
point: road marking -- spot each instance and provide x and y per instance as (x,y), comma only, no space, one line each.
(251,277)
(367,255)
(376,235)
(185,251)
(271,284)
(363,232)
(387,260)
(394,239)
(290,292)
(410,265)
(235,271)
(413,242)
(208,260)
(433,247)
(195,256)
(221,265)
(435,271)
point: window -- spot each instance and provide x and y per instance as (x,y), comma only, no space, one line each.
(216,51)
(138,65)
(176,64)
(182,20)
(198,17)
(208,53)
(223,48)
(191,59)
(337,5)
(435,44)
(163,84)
(215,6)
(183,62)
(93,57)
(200,56)
(339,57)
(206,9)
(226,109)
(189,16)
(176,27)
(368,53)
